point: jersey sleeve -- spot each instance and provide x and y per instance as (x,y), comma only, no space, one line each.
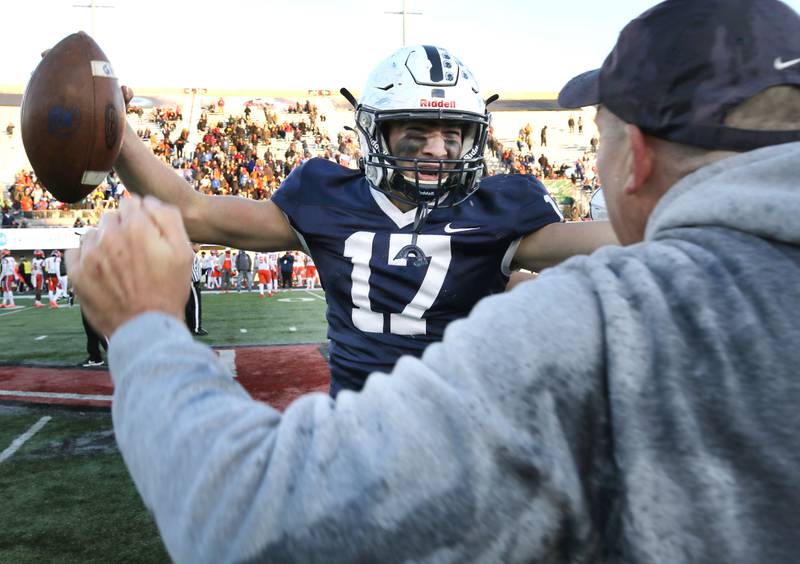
(287,197)
(311,191)
(537,207)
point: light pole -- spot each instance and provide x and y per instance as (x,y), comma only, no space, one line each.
(404,13)
(91,5)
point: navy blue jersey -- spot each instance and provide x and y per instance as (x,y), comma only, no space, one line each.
(381,307)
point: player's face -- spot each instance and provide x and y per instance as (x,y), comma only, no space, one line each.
(426,139)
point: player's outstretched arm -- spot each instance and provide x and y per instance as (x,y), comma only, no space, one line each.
(557,242)
(226,220)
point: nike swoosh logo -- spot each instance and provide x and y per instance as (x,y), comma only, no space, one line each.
(780,64)
(448,229)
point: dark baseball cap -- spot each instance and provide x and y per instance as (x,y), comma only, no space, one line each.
(679,68)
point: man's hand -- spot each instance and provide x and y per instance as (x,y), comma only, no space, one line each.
(134,262)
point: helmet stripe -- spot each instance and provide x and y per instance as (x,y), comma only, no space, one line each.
(437,74)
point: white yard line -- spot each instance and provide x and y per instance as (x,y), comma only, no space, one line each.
(23,438)
(228,358)
(23,308)
(55,395)
(315,295)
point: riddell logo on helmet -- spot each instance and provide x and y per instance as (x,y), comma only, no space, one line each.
(423,103)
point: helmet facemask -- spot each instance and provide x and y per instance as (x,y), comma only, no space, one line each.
(402,177)
(422,83)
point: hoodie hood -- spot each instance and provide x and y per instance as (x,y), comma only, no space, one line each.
(757,192)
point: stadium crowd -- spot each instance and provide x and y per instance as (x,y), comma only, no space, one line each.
(250,154)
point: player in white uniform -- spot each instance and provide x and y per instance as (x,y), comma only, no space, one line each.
(264,273)
(37,276)
(63,282)
(213,278)
(52,267)
(7,275)
(272,257)
(311,273)
(208,268)
(299,269)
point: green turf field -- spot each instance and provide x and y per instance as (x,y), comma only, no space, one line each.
(45,336)
(66,494)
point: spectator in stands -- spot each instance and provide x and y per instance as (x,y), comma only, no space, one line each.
(8,218)
(544,165)
(26,205)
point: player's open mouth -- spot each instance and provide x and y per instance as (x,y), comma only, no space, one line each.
(430,174)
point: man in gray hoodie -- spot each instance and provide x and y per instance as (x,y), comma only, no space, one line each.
(668,434)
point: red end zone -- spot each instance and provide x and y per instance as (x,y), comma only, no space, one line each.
(275,375)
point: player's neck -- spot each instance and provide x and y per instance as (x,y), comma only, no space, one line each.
(402,206)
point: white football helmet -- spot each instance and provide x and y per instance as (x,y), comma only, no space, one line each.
(422,82)
(597,205)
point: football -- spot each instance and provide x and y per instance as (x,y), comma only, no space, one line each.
(73,116)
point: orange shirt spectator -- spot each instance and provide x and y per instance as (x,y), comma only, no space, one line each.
(26,203)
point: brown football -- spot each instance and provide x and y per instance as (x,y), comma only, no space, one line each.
(73,117)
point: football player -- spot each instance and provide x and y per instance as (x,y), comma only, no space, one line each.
(272,258)
(208,266)
(37,276)
(298,269)
(52,269)
(8,272)
(311,273)
(63,280)
(264,274)
(226,270)
(408,242)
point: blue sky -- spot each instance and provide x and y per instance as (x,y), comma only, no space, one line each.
(523,45)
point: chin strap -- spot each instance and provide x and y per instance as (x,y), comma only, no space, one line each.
(415,255)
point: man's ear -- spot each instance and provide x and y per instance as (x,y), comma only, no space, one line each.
(640,159)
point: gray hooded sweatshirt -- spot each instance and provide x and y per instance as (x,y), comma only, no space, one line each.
(637,405)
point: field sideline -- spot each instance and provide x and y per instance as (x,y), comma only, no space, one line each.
(67,496)
(56,337)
